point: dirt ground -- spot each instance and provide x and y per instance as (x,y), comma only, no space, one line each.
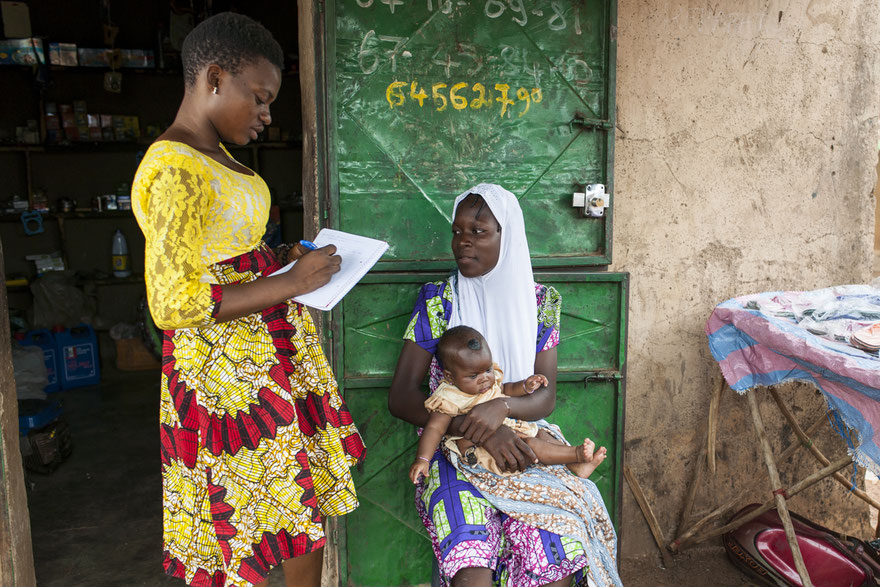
(704,564)
(699,566)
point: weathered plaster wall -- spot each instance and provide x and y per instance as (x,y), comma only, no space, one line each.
(876,215)
(745,162)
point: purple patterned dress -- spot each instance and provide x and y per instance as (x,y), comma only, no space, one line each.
(466,531)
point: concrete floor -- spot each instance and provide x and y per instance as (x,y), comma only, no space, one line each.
(97,520)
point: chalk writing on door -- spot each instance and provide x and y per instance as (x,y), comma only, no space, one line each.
(463,95)
(469,60)
(555,13)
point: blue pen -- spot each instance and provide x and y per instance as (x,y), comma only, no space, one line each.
(308,244)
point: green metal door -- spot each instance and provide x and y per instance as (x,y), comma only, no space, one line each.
(422,100)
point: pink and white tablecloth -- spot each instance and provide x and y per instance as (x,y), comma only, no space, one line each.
(769,338)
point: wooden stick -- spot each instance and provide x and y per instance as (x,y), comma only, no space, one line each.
(776,486)
(687,538)
(649,515)
(697,479)
(713,426)
(769,504)
(805,439)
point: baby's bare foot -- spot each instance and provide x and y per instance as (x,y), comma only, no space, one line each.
(588,459)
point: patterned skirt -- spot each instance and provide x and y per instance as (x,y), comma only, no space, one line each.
(552,499)
(256,441)
(532,528)
(466,530)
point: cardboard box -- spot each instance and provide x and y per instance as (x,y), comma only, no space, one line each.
(21,51)
(68,122)
(107,127)
(94,127)
(53,122)
(137,58)
(93,57)
(140,58)
(51,262)
(132,355)
(132,128)
(119,127)
(63,54)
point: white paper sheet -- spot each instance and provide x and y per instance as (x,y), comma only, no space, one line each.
(359,254)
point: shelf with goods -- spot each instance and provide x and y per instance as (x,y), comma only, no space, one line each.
(75,214)
(145,106)
(168,72)
(249,155)
(112,146)
(70,174)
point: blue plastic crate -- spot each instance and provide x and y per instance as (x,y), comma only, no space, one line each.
(34,414)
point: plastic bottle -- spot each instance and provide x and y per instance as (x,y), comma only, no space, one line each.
(78,356)
(120,256)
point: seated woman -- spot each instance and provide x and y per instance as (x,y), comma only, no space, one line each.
(494,292)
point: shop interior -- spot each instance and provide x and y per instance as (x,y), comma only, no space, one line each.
(88,85)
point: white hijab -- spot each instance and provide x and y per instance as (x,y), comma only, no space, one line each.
(501,303)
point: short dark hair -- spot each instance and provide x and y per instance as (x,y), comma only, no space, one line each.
(455,339)
(230,40)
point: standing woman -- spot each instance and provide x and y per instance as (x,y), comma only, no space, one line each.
(256,442)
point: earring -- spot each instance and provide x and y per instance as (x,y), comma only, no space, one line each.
(214,91)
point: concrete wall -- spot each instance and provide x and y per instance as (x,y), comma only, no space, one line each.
(745,162)
(876,217)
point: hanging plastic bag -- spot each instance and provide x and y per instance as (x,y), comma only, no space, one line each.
(57,301)
(29,370)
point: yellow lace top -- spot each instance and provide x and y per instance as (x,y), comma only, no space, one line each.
(194,212)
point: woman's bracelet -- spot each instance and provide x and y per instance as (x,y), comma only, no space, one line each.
(526,389)
(281,253)
(424,459)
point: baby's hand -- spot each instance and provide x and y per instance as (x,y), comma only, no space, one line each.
(418,469)
(533,382)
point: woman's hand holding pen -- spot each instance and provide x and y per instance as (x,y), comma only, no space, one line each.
(313,269)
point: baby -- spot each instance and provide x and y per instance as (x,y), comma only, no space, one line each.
(471,378)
